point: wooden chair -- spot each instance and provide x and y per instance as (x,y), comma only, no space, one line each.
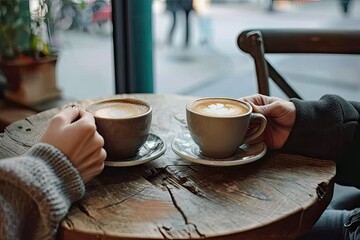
(258,42)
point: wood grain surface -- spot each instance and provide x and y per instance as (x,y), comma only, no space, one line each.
(277,197)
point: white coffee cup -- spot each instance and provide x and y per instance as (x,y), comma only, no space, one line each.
(219,126)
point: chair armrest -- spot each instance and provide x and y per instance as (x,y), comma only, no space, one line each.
(311,41)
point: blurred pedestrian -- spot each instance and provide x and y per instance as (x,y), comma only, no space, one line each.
(271,6)
(172,6)
(187,7)
(201,8)
(345,6)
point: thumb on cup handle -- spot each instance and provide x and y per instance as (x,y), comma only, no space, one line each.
(259,130)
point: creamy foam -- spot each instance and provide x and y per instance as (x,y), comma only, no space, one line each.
(117,109)
(219,107)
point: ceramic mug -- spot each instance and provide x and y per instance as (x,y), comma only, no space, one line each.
(219,126)
(124,123)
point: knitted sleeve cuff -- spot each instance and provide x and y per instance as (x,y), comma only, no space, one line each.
(45,174)
(68,178)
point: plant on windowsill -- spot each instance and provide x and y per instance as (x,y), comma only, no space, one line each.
(26,57)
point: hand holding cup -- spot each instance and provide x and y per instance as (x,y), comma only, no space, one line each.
(124,124)
(219,126)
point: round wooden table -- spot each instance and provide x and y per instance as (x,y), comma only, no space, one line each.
(277,197)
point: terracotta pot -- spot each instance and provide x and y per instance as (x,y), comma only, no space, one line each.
(30,82)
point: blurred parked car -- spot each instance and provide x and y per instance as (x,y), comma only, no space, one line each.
(101,16)
(92,16)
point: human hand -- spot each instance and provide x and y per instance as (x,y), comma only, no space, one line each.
(280,116)
(73,131)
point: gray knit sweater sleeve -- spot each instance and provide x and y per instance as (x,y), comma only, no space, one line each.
(36,191)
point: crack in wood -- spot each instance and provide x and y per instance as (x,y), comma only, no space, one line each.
(193,189)
(186,183)
(259,196)
(154,173)
(29,121)
(18,142)
(197,231)
(11,151)
(255,193)
(69,223)
(321,190)
(121,201)
(301,223)
(83,210)
(87,213)
(183,214)
(292,181)
(274,187)
(164,231)
(177,205)
(173,180)
(180,118)
(192,168)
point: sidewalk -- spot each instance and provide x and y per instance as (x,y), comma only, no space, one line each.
(223,70)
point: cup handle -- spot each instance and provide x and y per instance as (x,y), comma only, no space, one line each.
(259,130)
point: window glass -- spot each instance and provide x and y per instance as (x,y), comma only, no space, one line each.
(211,64)
(83,36)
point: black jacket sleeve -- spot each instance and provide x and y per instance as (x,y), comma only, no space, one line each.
(329,129)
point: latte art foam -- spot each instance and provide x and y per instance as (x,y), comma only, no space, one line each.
(219,107)
(120,110)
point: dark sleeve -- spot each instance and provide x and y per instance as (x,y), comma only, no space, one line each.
(329,129)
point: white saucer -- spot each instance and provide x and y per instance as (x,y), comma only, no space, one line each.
(153,148)
(185,147)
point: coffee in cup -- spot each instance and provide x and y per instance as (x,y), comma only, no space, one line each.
(124,123)
(219,126)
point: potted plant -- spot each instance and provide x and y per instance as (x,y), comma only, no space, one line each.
(26,58)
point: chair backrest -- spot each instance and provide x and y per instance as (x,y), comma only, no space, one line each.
(258,42)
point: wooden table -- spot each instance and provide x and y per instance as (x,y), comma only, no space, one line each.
(10,113)
(278,197)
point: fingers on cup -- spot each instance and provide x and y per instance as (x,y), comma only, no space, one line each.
(226,119)
(66,116)
(124,123)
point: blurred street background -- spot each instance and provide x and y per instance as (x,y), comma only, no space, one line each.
(212,64)
(221,69)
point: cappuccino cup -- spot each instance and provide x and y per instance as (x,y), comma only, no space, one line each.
(124,123)
(219,126)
